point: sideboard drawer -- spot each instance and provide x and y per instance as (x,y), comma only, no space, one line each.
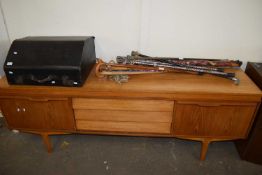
(213,119)
(120,104)
(124,116)
(127,127)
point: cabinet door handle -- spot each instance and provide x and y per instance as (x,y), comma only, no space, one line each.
(18,109)
(23,109)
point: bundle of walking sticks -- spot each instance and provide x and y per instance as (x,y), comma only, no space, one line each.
(137,63)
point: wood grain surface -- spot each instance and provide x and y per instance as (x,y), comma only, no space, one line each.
(123,104)
(216,120)
(41,114)
(139,127)
(131,116)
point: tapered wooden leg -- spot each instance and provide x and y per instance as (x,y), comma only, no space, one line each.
(204,148)
(47,142)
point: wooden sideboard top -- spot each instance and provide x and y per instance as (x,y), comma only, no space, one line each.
(167,85)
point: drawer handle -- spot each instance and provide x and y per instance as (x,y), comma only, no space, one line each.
(46,99)
(208,104)
(38,99)
(203,104)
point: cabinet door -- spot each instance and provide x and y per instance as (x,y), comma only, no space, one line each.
(45,114)
(213,119)
(15,112)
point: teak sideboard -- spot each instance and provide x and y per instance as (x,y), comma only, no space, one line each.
(203,108)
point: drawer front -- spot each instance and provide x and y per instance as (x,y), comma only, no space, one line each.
(126,116)
(117,104)
(133,127)
(213,119)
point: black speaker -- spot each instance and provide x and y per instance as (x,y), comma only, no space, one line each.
(52,61)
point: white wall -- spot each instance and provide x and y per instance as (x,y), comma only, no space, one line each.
(205,28)
(115,23)
(4,41)
(183,28)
